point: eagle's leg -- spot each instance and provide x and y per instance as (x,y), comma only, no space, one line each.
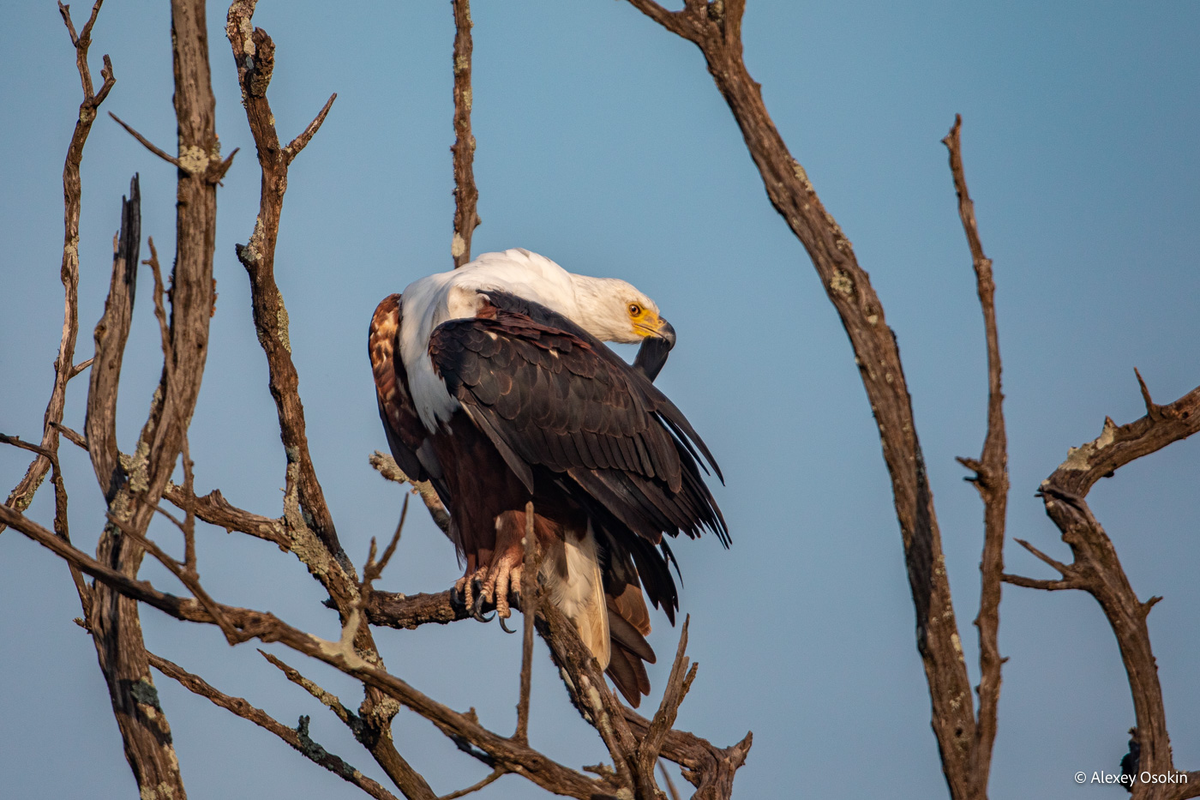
(504,573)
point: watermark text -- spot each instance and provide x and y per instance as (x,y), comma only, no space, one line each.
(1128,780)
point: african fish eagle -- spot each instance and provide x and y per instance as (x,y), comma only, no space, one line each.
(494,385)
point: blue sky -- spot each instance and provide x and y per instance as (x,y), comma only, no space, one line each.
(604,145)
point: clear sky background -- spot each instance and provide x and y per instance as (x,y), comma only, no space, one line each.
(604,145)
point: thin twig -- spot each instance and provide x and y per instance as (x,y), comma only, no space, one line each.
(529,604)
(61,522)
(158,151)
(1153,411)
(373,570)
(325,697)
(71,435)
(1058,566)
(80,367)
(678,684)
(475,787)
(301,141)
(672,792)
(17,442)
(189,519)
(1040,583)
(160,310)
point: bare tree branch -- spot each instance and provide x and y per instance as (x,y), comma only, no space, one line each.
(214,509)
(475,787)
(326,698)
(342,654)
(305,510)
(1097,569)
(591,696)
(301,141)
(991,479)
(710,768)
(466,196)
(112,331)
(146,143)
(678,684)
(297,737)
(254,54)
(1062,569)
(22,493)
(115,625)
(1119,445)
(529,610)
(1039,583)
(61,523)
(716,29)
(113,621)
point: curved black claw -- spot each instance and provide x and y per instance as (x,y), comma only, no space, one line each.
(477,610)
(504,627)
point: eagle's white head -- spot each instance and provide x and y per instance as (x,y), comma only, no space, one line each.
(614,310)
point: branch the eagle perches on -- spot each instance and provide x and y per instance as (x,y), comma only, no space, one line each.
(133,484)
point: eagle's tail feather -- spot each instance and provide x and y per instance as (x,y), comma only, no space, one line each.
(579,595)
(628,623)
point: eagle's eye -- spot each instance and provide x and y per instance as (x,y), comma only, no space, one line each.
(635,310)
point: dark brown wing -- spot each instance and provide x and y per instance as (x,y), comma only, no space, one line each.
(550,395)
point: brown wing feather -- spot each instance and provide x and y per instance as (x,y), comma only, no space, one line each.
(552,396)
(404,430)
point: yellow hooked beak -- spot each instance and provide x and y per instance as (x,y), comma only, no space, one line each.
(651,324)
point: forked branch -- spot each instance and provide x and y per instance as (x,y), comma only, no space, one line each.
(1097,570)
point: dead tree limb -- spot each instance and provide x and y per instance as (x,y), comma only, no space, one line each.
(1097,570)
(529,606)
(114,621)
(466,196)
(64,369)
(61,522)
(254,54)
(305,510)
(708,767)
(991,479)
(716,29)
(480,742)
(296,737)
(133,489)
